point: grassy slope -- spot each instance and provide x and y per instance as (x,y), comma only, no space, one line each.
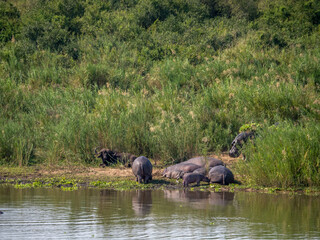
(165,79)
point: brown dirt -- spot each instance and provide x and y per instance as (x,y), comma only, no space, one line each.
(88,172)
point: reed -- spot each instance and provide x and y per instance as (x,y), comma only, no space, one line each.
(284,156)
(165,79)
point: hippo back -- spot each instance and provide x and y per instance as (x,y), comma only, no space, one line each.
(178,170)
(205,161)
(201,170)
(142,168)
(221,174)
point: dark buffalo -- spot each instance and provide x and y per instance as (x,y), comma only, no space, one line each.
(142,169)
(110,157)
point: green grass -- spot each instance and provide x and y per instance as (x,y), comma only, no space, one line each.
(284,156)
(164,79)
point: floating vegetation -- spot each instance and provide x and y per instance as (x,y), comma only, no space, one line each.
(63,183)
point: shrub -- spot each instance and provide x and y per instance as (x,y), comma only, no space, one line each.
(9,21)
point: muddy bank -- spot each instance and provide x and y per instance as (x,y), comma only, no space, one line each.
(71,177)
(115,177)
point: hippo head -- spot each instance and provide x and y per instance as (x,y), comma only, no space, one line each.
(104,153)
(164,173)
(205,179)
(177,174)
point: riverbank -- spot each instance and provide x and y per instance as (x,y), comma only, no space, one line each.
(72,177)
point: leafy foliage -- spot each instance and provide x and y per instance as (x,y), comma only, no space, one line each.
(166,79)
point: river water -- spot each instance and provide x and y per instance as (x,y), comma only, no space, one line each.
(159,214)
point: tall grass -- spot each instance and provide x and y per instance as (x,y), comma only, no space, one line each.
(284,156)
(166,79)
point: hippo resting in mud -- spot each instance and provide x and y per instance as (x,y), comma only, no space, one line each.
(194,177)
(201,170)
(205,161)
(222,175)
(178,170)
(239,141)
(142,169)
(191,165)
(110,157)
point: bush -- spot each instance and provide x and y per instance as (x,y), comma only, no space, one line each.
(9,21)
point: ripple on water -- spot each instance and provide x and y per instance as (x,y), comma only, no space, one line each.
(83,214)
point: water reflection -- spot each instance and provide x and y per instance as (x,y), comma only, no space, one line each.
(142,202)
(200,199)
(93,213)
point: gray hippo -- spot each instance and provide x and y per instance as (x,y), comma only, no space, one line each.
(201,170)
(194,177)
(110,157)
(239,141)
(205,161)
(177,170)
(177,174)
(221,174)
(142,169)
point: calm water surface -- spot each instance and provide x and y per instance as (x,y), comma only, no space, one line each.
(161,214)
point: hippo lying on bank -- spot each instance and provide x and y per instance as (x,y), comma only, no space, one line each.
(178,170)
(110,157)
(201,170)
(142,169)
(194,177)
(198,164)
(221,174)
(205,161)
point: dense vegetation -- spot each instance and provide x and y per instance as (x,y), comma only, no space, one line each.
(164,78)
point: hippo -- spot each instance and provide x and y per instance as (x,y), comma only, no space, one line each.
(221,174)
(238,142)
(142,202)
(194,177)
(177,174)
(205,161)
(177,170)
(201,170)
(142,169)
(110,157)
